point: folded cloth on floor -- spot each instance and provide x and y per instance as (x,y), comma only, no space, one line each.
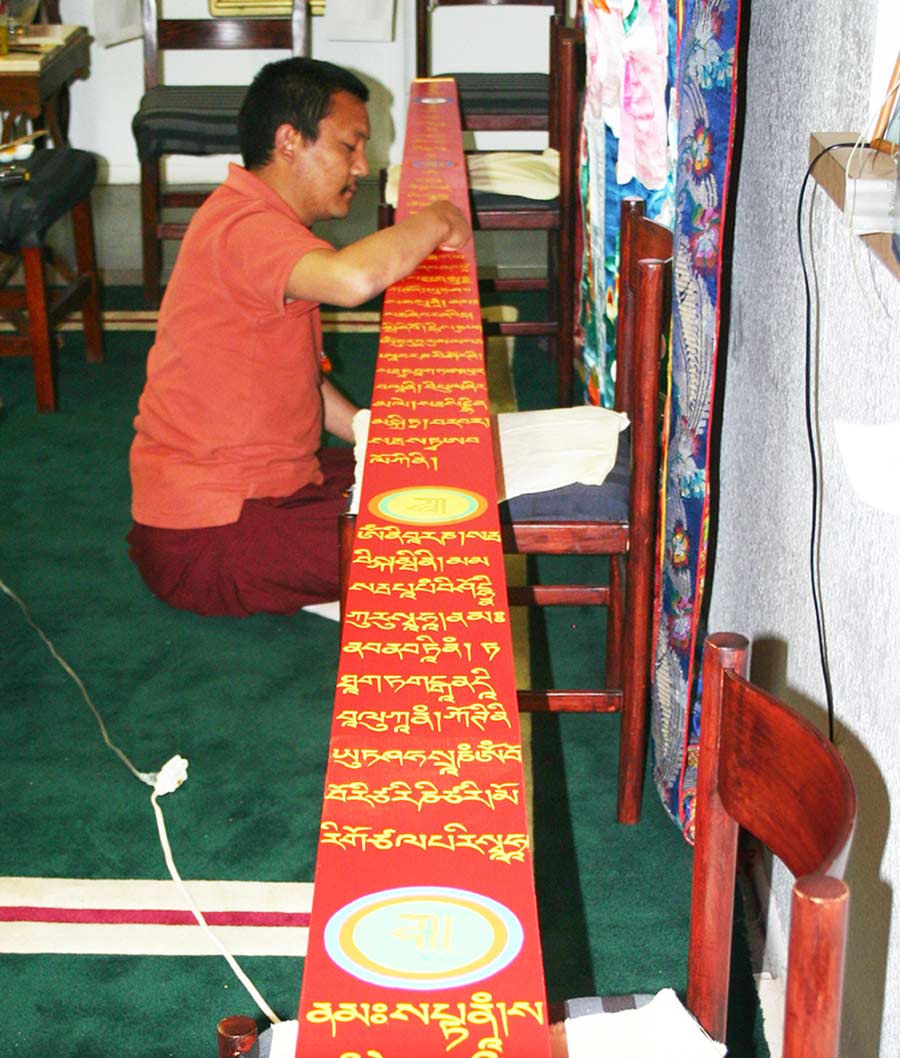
(660,1029)
(518,173)
(543,450)
(279,1040)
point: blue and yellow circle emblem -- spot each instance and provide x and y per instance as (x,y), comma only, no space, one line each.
(428,505)
(423,937)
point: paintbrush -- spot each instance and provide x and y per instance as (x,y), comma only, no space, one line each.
(23,139)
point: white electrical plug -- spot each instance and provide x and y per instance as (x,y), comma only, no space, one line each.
(171,775)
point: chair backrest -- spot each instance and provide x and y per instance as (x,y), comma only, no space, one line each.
(765,768)
(567,82)
(423,21)
(516,99)
(640,239)
(163,34)
(645,308)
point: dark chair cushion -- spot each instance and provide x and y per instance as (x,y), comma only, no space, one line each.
(58,180)
(579,503)
(579,1008)
(188,119)
(503,93)
(490,200)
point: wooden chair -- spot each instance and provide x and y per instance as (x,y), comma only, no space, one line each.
(618,518)
(506,102)
(491,101)
(195,119)
(60,183)
(764,768)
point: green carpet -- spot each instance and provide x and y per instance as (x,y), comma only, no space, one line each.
(248,702)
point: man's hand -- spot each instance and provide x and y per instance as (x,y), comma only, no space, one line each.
(458,230)
(339,412)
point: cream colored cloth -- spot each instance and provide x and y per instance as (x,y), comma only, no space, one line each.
(331,611)
(539,450)
(661,1029)
(360,426)
(543,450)
(502,172)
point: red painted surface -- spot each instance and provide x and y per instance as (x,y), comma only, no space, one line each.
(425,787)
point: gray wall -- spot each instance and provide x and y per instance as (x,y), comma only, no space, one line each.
(808,69)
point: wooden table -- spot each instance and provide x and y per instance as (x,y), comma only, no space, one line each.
(424,938)
(34,84)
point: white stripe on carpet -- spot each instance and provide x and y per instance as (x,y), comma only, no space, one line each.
(147,917)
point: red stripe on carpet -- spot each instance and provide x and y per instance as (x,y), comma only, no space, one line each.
(122,916)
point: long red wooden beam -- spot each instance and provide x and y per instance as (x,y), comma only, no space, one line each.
(424,934)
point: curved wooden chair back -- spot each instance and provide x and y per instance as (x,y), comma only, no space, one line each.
(163,34)
(765,768)
(639,239)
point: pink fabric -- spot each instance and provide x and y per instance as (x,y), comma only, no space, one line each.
(281,553)
(627,43)
(232,405)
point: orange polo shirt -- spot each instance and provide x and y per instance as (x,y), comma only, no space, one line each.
(231,408)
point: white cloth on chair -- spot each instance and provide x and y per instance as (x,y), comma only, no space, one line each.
(360,426)
(543,450)
(517,173)
(540,450)
(661,1029)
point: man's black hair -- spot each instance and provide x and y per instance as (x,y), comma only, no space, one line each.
(296,92)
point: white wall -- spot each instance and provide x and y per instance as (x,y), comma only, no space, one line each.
(103,104)
(809,68)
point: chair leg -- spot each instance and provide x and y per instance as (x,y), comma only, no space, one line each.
(636,679)
(86,259)
(385,215)
(565,314)
(346,530)
(151,246)
(615,617)
(39,334)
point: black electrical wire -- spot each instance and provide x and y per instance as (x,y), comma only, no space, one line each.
(811,440)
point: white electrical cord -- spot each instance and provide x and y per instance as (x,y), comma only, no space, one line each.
(146,777)
(170,776)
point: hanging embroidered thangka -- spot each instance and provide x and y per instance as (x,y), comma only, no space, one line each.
(625,151)
(705,89)
(632,47)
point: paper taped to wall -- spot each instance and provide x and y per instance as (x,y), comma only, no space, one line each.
(116,21)
(360,20)
(869,451)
